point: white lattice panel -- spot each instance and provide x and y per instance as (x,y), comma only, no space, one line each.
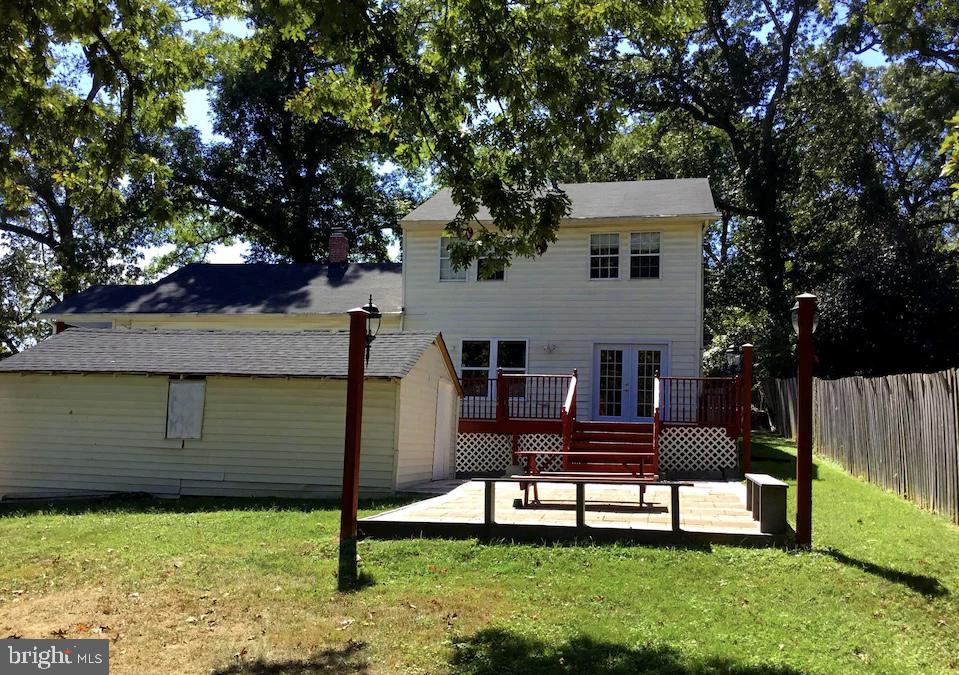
(697,449)
(543,442)
(483,452)
(477,453)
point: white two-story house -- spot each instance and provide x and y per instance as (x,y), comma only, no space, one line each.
(618,296)
(227,379)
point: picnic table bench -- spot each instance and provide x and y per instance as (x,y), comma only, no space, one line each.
(581,481)
(635,471)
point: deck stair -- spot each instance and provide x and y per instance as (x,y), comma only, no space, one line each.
(617,438)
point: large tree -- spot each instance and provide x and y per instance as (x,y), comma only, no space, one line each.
(488,96)
(81,83)
(279,180)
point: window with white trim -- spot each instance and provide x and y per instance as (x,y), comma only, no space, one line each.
(488,269)
(475,367)
(644,255)
(604,256)
(480,359)
(447,273)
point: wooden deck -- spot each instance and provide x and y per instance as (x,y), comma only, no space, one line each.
(711,512)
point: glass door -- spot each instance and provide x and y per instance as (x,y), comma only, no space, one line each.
(624,383)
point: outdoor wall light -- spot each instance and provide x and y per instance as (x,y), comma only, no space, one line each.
(373,314)
(734,357)
(794,314)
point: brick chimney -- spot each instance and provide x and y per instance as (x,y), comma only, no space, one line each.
(338,247)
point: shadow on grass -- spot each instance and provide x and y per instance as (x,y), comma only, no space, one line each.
(345,660)
(363,580)
(497,652)
(142,503)
(767,458)
(928,586)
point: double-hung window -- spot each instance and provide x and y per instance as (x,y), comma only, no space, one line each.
(447,273)
(644,255)
(604,256)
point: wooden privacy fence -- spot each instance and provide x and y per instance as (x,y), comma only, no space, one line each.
(899,431)
(780,398)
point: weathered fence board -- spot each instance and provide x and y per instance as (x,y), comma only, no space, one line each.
(900,432)
(781,403)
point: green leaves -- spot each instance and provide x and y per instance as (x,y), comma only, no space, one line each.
(82,85)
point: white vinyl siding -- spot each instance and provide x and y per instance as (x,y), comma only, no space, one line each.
(94,434)
(552,301)
(417,419)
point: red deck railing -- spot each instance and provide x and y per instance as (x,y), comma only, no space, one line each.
(700,401)
(525,403)
(513,402)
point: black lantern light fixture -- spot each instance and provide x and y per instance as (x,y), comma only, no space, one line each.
(734,357)
(794,314)
(373,314)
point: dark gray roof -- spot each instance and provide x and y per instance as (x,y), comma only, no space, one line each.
(621,199)
(210,352)
(259,288)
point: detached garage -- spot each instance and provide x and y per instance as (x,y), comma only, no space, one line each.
(190,412)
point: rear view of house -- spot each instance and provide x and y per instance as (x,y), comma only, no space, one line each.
(227,379)
(617,298)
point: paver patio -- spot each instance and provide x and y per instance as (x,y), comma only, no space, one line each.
(717,507)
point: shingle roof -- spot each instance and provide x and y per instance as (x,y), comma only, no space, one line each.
(209,352)
(259,288)
(621,199)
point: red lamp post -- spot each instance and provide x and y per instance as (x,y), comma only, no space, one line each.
(747,375)
(361,337)
(804,323)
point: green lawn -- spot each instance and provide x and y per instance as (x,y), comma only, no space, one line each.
(248,587)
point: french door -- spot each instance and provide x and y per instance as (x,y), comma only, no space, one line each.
(624,380)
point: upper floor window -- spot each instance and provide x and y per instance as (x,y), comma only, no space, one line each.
(488,269)
(644,255)
(447,273)
(604,256)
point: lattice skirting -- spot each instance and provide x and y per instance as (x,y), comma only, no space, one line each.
(682,450)
(488,453)
(697,449)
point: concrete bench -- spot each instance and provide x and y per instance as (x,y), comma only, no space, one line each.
(766,498)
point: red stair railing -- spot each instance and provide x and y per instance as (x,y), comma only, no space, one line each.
(568,417)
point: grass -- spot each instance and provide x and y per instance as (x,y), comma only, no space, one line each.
(247,587)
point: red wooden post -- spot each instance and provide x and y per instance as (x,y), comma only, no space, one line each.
(747,424)
(348,573)
(502,398)
(807,310)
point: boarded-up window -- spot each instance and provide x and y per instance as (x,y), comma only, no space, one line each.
(184,413)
